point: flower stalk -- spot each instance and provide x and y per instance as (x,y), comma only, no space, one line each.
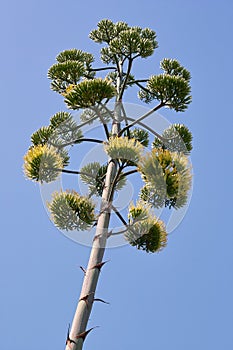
(165,170)
(91,276)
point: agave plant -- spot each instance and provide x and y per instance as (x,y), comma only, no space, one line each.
(164,167)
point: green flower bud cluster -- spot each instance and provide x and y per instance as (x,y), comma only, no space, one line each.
(71,211)
(145,231)
(62,129)
(88,93)
(176,138)
(70,67)
(139,135)
(123,41)
(171,88)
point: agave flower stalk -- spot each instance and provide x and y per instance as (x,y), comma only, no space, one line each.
(165,170)
(92,272)
(91,275)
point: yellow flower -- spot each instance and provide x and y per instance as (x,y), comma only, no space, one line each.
(68,89)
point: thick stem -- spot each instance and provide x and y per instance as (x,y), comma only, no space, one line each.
(91,276)
(84,306)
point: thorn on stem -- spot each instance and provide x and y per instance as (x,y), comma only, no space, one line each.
(84,334)
(68,340)
(96,237)
(101,300)
(85,298)
(99,265)
(83,270)
(99,235)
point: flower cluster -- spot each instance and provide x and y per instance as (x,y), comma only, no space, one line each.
(167,176)
(145,231)
(176,138)
(171,88)
(71,211)
(123,41)
(88,93)
(42,163)
(127,150)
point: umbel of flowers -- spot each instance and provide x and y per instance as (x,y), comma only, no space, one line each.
(167,177)
(145,231)
(43,163)
(70,211)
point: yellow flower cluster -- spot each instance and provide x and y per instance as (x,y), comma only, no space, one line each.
(167,176)
(123,148)
(42,163)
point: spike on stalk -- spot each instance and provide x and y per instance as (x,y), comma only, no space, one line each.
(101,300)
(96,237)
(83,270)
(99,265)
(85,298)
(68,340)
(84,334)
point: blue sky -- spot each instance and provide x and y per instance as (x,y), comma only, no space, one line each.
(178,299)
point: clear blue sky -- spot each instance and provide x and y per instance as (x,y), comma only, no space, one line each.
(178,299)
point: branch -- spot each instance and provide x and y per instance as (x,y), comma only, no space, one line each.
(128,173)
(126,78)
(142,87)
(103,122)
(138,81)
(149,129)
(76,172)
(141,118)
(123,221)
(115,180)
(99,69)
(84,139)
(108,111)
(126,121)
(86,122)
(118,232)
(119,215)
(138,55)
